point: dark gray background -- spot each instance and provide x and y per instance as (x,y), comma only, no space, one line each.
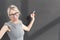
(46,26)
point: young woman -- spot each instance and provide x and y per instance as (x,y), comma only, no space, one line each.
(15,28)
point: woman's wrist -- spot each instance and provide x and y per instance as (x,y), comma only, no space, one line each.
(33,19)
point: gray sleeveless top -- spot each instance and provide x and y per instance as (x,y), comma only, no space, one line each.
(16,33)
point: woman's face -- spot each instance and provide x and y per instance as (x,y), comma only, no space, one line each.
(14,14)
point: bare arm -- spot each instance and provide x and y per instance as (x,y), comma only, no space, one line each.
(3,30)
(27,28)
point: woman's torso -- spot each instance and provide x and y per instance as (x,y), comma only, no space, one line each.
(16,33)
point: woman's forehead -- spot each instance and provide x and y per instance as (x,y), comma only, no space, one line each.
(13,11)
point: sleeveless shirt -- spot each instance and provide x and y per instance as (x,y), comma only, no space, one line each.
(16,33)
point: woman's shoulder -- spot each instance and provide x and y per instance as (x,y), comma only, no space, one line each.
(20,20)
(7,23)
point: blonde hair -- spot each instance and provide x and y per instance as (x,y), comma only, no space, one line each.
(11,7)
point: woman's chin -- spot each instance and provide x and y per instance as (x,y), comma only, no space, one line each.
(15,19)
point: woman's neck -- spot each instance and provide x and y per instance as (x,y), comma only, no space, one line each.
(15,21)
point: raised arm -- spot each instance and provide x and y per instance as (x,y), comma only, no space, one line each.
(27,28)
(3,30)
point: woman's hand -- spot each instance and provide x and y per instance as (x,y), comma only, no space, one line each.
(33,15)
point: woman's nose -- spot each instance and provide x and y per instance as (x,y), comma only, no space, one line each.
(14,16)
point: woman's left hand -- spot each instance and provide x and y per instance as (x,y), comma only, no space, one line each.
(32,15)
